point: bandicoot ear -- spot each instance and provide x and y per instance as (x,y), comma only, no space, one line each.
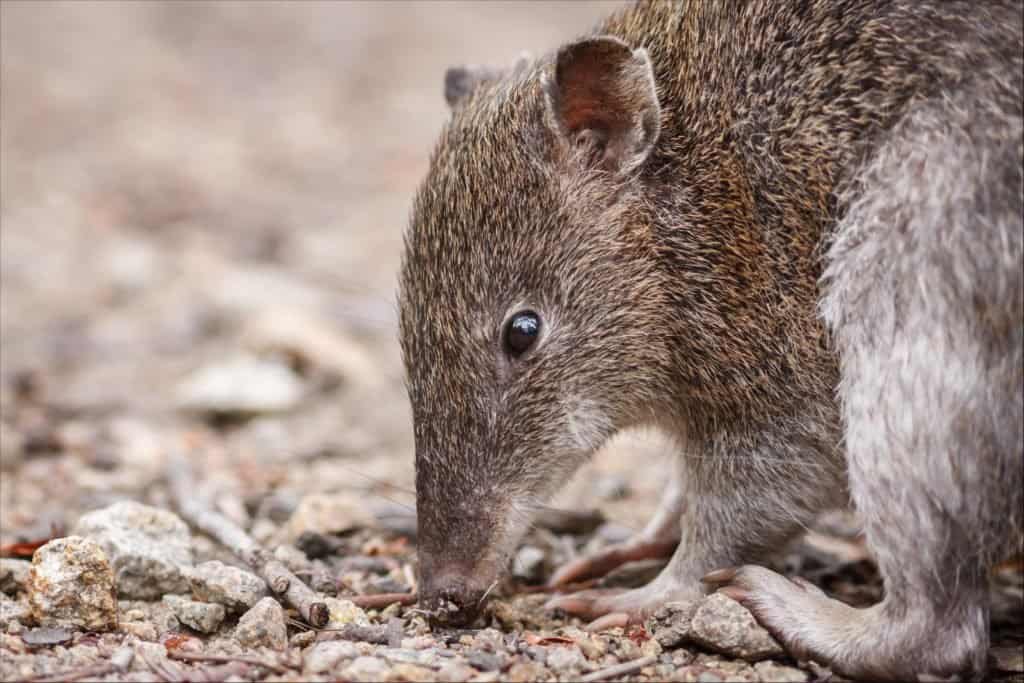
(602,100)
(461,81)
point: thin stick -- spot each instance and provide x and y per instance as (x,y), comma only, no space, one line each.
(381,600)
(278,577)
(97,670)
(164,670)
(223,659)
(623,669)
(356,632)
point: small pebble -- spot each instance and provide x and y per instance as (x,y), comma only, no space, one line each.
(484,661)
(143,630)
(325,656)
(770,671)
(147,547)
(232,587)
(404,671)
(528,564)
(344,612)
(263,626)
(723,625)
(366,669)
(241,386)
(670,624)
(205,617)
(321,513)
(455,672)
(72,584)
(566,658)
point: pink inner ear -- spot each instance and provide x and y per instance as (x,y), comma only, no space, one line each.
(589,97)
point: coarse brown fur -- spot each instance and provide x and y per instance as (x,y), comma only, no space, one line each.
(667,195)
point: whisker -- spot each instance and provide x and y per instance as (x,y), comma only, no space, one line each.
(375,480)
(487,592)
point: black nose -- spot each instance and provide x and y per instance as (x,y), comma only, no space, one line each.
(452,602)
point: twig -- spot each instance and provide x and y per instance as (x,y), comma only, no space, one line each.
(382,599)
(623,669)
(278,577)
(164,670)
(222,659)
(97,670)
(378,635)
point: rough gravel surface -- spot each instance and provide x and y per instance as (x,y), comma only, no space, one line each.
(202,207)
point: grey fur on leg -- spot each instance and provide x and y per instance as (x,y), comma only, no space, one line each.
(924,294)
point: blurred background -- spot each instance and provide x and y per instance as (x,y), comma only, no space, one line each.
(202,207)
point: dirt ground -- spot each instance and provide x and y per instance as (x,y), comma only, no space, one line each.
(183,185)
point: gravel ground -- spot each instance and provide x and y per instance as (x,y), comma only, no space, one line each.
(202,208)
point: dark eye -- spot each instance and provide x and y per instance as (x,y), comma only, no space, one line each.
(521,332)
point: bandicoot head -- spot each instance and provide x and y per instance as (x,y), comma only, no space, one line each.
(530,300)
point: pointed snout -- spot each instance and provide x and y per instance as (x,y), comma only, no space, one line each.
(451,597)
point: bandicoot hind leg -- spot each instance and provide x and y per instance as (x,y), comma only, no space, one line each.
(926,308)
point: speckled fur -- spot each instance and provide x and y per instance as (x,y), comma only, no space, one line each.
(879,141)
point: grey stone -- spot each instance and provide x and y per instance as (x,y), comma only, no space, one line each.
(71,584)
(143,630)
(491,639)
(566,658)
(366,669)
(223,584)
(723,625)
(709,677)
(244,386)
(528,563)
(147,546)
(326,656)
(485,661)
(263,626)
(327,514)
(205,617)
(670,624)
(457,672)
(770,671)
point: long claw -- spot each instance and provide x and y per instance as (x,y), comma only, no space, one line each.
(609,621)
(735,592)
(721,575)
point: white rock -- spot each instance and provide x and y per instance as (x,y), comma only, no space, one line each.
(243,385)
(313,341)
(327,514)
(344,612)
(563,658)
(263,626)
(223,584)
(147,546)
(205,617)
(327,655)
(366,669)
